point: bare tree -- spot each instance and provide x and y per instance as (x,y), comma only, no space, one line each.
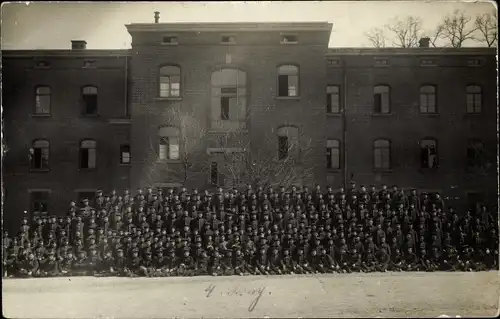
(406,32)
(191,143)
(403,33)
(377,37)
(457,28)
(260,164)
(487,27)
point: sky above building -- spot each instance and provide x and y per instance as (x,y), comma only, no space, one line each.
(53,25)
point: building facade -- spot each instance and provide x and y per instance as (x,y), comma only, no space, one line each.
(203,105)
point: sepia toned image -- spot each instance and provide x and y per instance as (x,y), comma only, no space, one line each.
(249,159)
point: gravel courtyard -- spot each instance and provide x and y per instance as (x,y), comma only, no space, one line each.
(346,295)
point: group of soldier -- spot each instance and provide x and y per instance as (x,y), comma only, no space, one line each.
(254,232)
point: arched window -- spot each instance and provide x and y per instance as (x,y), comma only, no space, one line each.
(333,154)
(39,155)
(428,99)
(168,146)
(170,81)
(228,98)
(288,80)
(89,96)
(428,153)
(88,154)
(288,142)
(474,99)
(382,154)
(381,96)
(42,100)
(475,153)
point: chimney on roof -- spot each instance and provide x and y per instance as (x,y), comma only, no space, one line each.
(157,16)
(78,44)
(424,42)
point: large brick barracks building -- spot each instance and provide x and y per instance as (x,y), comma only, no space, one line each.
(186,99)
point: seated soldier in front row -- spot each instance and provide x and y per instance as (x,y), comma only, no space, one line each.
(28,267)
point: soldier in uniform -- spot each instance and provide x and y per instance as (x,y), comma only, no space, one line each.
(29,267)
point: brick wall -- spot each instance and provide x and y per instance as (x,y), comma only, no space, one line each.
(65,128)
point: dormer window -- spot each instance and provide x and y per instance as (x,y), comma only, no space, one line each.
(42,65)
(427,62)
(170,40)
(89,64)
(474,62)
(228,39)
(334,62)
(381,62)
(289,39)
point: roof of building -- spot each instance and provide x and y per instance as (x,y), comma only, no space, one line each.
(231,26)
(411,51)
(67,53)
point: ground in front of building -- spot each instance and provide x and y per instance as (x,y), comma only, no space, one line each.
(339,295)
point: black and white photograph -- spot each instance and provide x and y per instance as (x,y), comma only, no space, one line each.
(257,159)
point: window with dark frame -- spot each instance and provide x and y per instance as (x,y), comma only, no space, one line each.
(228,98)
(214,173)
(42,100)
(428,99)
(88,154)
(474,99)
(39,155)
(475,153)
(282,147)
(89,95)
(428,154)
(288,81)
(381,95)
(228,39)
(289,39)
(124,154)
(170,81)
(39,201)
(332,154)
(382,154)
(170,40)
(333,99)
(168,144)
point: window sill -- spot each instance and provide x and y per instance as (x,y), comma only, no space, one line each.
(288,98)
(473,114)
(41,115)
(176,98)
(382,114)
(125,165)
(428,170)
(170,43)
(334,114)
(39,170)
(86,170)
(334,170)
(430,114)
(382,170)
(168,161)
(224,130)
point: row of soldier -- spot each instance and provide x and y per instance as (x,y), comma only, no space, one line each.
(254,232)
